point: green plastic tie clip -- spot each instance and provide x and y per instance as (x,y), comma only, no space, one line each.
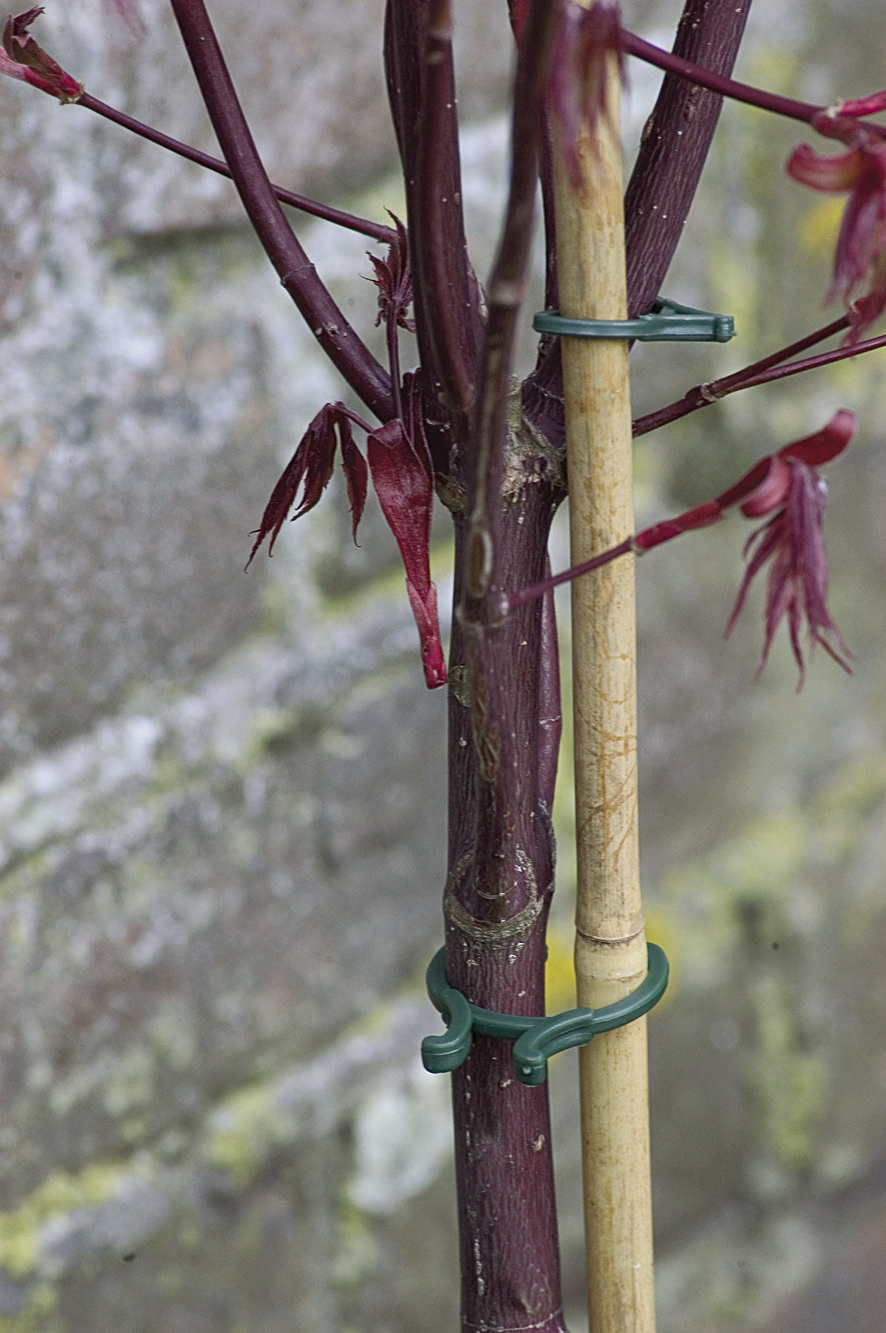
(666,322)
(535,1039)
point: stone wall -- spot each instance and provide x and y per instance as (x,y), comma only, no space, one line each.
(222,794)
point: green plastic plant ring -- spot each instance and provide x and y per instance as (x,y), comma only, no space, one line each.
(535,1039)
(666,322)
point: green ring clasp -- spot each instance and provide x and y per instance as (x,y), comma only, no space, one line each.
(535,1039)
(666,322)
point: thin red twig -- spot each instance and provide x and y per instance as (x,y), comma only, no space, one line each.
(377,231)
(765,371)
(717,83)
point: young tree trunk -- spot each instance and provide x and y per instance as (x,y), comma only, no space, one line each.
(496,907)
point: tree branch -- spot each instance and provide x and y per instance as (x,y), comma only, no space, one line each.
(725,87)
(506,292)
(376,230)
(341,343)
(766,371)
(675,145)
(446,296)
(443,266)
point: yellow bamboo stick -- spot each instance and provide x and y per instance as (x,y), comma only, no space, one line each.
(610,949)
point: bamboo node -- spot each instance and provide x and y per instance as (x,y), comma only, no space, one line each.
(611,941)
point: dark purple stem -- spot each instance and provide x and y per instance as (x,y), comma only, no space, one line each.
(443,266)
(689,70)
(501,745)
(738,92)
(342,344)
(507,1221)
(675,145)
(506,291)
(504,730)
(376,230)
(807,363)
(446,297)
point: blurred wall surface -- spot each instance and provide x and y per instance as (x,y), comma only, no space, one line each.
(222,794)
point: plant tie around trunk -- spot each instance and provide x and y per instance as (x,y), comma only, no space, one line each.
(666,322)
(535,1039)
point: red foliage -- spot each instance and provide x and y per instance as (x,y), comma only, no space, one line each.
(403,480)
(787,486)
(24,59)
(860,255)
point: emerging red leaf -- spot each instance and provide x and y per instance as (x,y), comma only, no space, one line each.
(860,255)
(798,579)
(402,480)
(394,282)
(787,486)
(311,468)
(24,59)
(356,473)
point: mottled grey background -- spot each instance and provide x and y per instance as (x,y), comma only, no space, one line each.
(222,794)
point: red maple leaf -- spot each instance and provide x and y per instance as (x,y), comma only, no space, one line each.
(403,481)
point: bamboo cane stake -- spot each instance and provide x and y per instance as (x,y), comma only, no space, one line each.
(610,949)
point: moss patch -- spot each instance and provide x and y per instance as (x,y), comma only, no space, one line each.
(59,1194)
(245,1130)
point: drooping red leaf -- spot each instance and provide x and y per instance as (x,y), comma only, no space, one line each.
(787,486)
(798,578)
(830,174)
(356,472)
(405,492)
(310,469)
(27,61)
(763,488)
(824,445)
(860,254)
